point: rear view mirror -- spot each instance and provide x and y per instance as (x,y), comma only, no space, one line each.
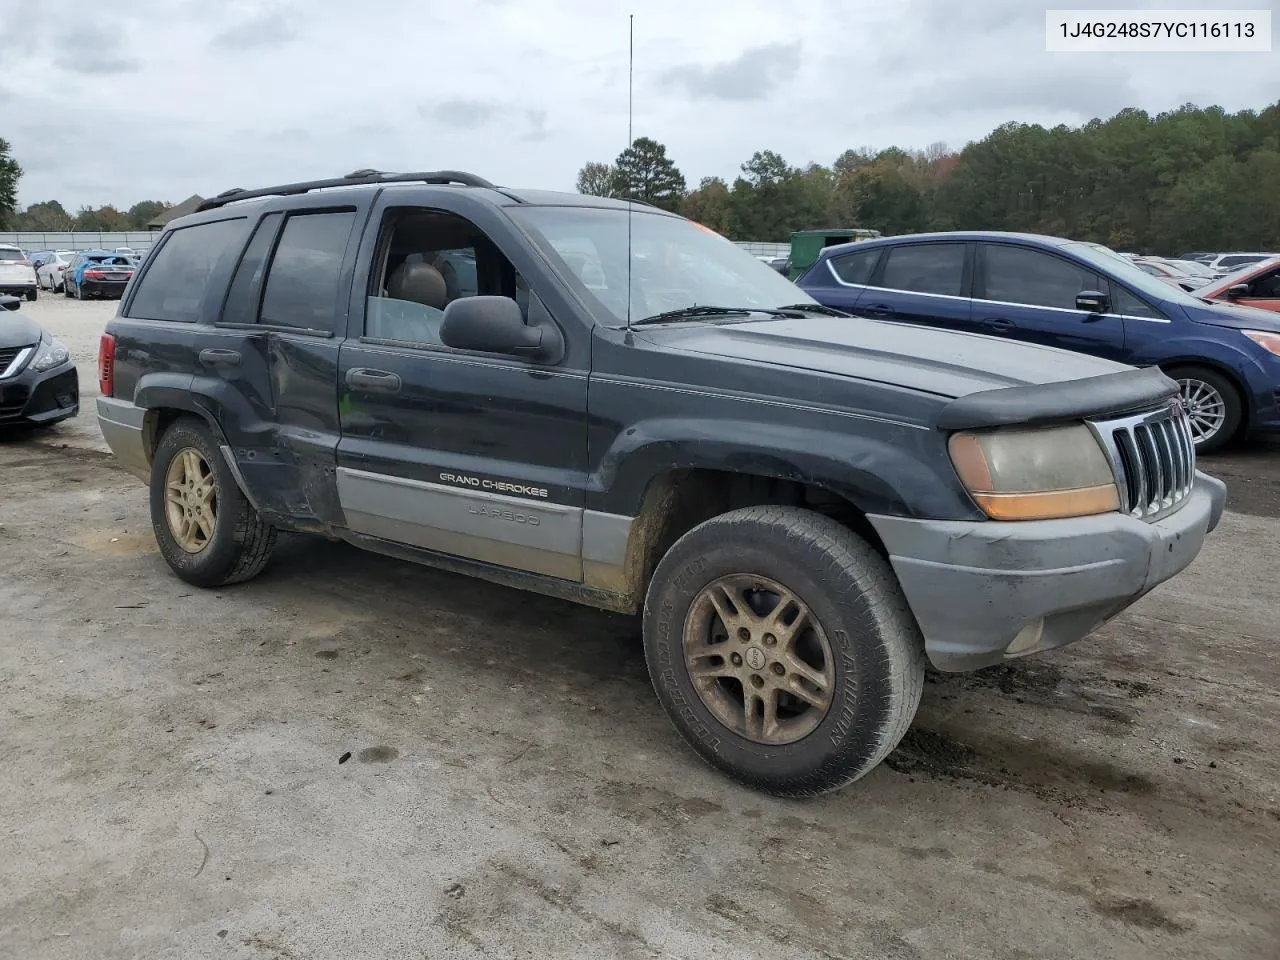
(496,325)
(1091,301)
(1238,290)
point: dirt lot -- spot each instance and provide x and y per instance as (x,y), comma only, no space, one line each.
(174,782)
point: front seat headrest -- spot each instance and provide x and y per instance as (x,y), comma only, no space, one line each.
(419,283)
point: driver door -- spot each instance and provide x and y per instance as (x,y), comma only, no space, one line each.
(469,454)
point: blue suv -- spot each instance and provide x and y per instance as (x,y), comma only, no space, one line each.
(1074,295)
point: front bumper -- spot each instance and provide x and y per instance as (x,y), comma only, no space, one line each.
(40,398)
(978,588)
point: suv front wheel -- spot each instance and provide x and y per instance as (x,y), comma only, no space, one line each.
(208,533)
(783,649)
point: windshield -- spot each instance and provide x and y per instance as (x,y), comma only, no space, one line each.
(11,253)
(675,263)
(1192,269)
(1113,265)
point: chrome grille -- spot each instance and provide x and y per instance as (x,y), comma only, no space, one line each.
(1153,458)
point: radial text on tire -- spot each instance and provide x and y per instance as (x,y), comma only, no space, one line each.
(782,648)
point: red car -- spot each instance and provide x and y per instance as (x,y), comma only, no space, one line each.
(1256,285)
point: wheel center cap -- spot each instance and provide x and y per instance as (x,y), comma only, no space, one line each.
(755,658)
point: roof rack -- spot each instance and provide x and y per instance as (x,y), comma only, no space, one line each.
(355,178)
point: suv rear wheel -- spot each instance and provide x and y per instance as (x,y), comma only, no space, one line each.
(782,648)
(208,533)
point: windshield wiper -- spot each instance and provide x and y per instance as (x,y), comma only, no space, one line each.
(815,308)
(696,311)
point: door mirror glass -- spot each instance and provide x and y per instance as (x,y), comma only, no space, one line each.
(490,325)
(10,303)
(1238,290)
(1092,301)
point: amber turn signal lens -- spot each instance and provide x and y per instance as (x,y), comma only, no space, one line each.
(1049,504)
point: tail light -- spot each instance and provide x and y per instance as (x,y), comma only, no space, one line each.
(62,267)
(93,274)
(107,365)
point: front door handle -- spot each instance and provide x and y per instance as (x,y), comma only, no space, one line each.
(878,309)
(216,357)
(998,324)
(373,381)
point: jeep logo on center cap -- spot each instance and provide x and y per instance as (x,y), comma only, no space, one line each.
(755,658)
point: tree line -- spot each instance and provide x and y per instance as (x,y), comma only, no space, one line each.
(1191,178)
(51,217)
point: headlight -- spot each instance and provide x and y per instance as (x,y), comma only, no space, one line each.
(52,354)
(1267,341)
(1035,473)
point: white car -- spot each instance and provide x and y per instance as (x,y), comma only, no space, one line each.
(49,273)
(17,275)
(1223,263)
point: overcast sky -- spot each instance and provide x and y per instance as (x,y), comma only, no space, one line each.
(159,99)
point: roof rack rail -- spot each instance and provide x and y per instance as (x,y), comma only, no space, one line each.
(355,178)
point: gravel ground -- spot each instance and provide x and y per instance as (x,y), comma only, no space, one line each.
(175,782)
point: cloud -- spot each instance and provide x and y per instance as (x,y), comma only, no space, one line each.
(754,74)
(462,114)
(542,88)
(271,28)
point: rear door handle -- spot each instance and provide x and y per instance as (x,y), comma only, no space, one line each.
(373,381)
(998,324)
(215,357)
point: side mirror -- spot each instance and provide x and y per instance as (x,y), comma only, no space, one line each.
(1237,290)
(10,303)
(493,325)
(1091,301)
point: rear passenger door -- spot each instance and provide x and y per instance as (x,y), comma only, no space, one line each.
(287,303)
(1030,294)
(925,283)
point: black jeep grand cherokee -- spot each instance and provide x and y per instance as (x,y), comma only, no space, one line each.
(622,408)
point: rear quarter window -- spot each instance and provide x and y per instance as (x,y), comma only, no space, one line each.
(178,276)
(856,267)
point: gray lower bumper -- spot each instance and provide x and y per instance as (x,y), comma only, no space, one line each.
(975,586)
(123,426)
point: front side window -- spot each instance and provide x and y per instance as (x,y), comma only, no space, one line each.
(1126,304)
(1266,286)
(177,279)
(1035,278)
(431,258)
(674,262)
(936,268)
(302,283)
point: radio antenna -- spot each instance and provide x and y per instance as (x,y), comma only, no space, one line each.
(631,61)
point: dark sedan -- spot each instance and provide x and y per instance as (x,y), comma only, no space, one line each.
(38,382)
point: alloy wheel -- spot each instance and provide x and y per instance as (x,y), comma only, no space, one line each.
(759,659)
(190,500)
(1206,409)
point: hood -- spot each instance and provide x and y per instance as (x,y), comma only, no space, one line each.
(942,362)
(17,331)
(1235,316)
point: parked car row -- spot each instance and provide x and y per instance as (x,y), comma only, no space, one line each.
(1223,350)
(89,273)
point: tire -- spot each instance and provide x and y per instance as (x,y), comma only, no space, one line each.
(873,656)
(241,542)
(66,289)
(33,294)
(1204,383)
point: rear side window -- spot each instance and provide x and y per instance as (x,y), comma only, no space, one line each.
(1020,275)
(302,284)
(926,268)
(856,267)
(246,285)
(177,277)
